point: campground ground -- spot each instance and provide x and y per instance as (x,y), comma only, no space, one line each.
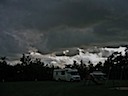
(53,88)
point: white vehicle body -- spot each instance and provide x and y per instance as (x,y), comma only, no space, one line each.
(66,74)
(98,75)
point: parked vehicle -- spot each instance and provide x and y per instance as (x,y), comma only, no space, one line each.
(98,77)
(66,74)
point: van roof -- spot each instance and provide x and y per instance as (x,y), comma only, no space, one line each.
(65,69)
(97,73)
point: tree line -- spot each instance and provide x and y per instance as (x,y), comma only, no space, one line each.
(28,70)
(115,67)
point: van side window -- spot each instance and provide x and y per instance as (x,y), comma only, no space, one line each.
(62,72)
(56,73)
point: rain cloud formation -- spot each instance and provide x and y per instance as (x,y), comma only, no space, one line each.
(53,24)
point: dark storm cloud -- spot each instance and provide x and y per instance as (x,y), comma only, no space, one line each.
(52,24)
(43,14)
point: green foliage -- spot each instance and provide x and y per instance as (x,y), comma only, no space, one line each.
(116,66)
(27,71)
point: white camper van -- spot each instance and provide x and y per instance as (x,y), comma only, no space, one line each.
(98,75)
(66,74)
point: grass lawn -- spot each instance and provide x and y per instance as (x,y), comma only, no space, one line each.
(52,88)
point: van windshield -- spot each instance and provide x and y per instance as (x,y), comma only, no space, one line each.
(74,73)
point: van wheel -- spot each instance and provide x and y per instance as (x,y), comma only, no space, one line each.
(59,79)
(71,80)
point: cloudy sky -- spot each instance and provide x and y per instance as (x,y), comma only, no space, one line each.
(53,24)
